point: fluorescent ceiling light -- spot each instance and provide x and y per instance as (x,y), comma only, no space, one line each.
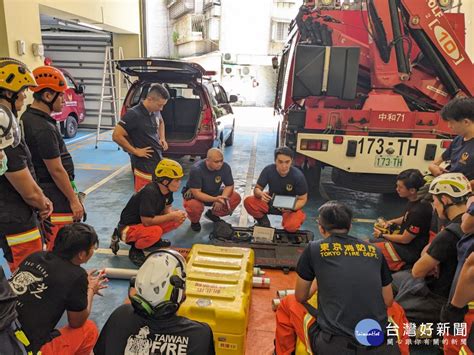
(89,25)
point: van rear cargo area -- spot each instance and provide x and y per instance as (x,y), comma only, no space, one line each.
(181,117)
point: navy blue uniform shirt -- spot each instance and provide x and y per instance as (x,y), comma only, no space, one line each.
(461,155)
(293,184)
(350,275)
(209,181)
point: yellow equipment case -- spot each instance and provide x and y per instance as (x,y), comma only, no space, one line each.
(218,286)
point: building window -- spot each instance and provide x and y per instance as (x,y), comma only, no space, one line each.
(284,4)
(279,31)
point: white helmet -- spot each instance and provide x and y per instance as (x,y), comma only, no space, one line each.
(9,131)
(161,279)
(455,185)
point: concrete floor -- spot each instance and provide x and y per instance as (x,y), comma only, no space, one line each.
(254,144)
(104,173)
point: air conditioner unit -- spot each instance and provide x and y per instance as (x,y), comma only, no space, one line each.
(208,3)
(247,70)
(229,58)
(230,70)
(170,3)
(328,3)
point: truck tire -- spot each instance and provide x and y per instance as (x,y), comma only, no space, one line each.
(230,140)
(70,127)
(277,143)
(313,178)
(374,183)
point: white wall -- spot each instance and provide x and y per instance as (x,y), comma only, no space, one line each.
(245,30)
(245,26)
(210,62)
(158,37)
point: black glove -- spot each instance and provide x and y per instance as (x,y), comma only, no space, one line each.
(452,314)
(47,226)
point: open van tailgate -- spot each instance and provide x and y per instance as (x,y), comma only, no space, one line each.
(150,69)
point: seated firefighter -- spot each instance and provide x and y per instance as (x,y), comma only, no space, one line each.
(150,322)
(460,308)
(468,219)
(8,319)
(49,283)
(403,247)
(210,184)
(353,285)
(423,297)
(148,214)
(282,179)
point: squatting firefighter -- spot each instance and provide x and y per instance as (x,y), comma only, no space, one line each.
(210,183)
(148,214)
(403,249)
(282,179)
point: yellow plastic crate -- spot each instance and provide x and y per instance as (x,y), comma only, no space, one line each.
(218,286)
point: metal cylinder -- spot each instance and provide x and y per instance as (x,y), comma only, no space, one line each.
(275,304)
(284,293)
(115,273)
(258,272)
(261,282)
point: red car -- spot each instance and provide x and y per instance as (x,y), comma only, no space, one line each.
(74,110)
(198,115)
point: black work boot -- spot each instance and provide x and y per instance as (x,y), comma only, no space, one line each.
(210,216)
(263,222)
(115,241)
(136,256)
(196,226)
(162,243)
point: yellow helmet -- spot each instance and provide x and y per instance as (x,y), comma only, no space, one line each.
(170,169)
(15,75)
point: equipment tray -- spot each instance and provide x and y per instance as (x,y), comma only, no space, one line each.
(283,253)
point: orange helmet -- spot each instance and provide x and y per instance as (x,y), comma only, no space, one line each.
(48,77)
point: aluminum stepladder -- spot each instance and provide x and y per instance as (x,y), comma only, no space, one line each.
(111,93)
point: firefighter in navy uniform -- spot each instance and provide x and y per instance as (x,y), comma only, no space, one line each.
(149,325)
(52,162)
(20,195)
(282,179)
(353,284)
(141,133)
(211,184)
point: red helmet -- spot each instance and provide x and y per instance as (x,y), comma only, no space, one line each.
(48,77)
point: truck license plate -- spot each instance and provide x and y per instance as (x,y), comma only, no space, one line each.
(388,161)
(400,146)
